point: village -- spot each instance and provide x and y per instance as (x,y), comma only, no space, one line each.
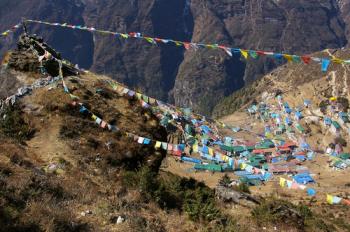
(273,143)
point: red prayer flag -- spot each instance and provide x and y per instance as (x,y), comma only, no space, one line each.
(262,53)
(306,59)
(187,45)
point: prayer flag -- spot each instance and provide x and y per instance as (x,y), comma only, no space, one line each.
(158,144)
(140,140)
(282,182)
(244,53)
(329,199)
(187,45)
(336,200)
(325,64)
(288,57)
(150,40)
(306,59)
(296,59)
(125,36)
(253,54)
(146,141)
(338,61)
(103,124)
(195,148)
(227,50)
(211,151)
(165,146)
(311,192)
(98,120)
(82,109)
(178,43)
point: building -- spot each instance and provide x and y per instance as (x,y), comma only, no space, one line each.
(335,127)
(307,103)
(287,121)
(343,118)
(327,121)
(298,115)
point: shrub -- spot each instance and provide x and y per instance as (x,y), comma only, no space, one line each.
(225,180)
(344,102)
(277,211)
(341,141)
(13,124)
(172,192)
(242,187)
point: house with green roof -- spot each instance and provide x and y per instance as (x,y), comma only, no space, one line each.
(335,127)
(300,128)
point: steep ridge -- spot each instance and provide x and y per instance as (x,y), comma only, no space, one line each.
(186,78)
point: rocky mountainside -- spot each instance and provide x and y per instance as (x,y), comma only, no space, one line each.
(187,78)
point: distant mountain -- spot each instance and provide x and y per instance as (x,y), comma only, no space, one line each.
(187,78)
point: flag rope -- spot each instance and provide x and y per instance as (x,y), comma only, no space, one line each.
(246,53)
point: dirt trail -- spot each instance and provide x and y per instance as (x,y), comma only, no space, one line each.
(46,145)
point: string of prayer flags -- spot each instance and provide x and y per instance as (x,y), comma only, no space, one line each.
(188,45)
(13,29)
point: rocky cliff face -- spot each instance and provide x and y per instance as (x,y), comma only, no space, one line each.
(187,78)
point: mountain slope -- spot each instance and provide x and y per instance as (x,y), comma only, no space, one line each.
(187,78)
(295,81)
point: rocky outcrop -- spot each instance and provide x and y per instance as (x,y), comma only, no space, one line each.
(187,78)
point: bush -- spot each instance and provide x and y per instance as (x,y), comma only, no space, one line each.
(277,211)
(242,187)
(344,102)
(341,141)
(200,205)
(172,192)
(13,125)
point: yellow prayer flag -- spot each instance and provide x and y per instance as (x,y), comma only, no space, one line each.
(152,101)
(243,165)
(244,53)
(329,199)
(139,95)
(211,151)
(125,36)
(94,117)
(225,158)
(288,57)
(337,60)
(158,144)
(195,148)
(282,182)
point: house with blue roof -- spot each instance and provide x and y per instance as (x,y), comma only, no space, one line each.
(307,103)
(288,110)
(298,115)
(303,178)
(343,117)
(287,121)
(327,121)
(252,109)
